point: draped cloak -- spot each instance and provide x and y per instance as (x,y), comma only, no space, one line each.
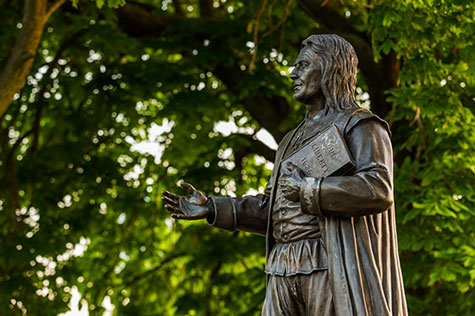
(356,215)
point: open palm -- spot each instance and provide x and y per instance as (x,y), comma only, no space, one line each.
(189,207)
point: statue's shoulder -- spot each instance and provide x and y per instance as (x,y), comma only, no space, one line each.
(352,117)
(288,136)
(285,140)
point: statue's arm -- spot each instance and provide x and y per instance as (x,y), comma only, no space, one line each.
(369,189)
(247,213)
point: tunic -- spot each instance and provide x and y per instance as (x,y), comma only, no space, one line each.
(299,247)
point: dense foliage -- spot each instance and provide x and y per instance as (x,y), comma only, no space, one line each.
(125,99)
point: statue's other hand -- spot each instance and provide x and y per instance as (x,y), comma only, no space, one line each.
(291,181)
(189,207)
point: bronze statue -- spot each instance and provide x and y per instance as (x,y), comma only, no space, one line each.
(331,240)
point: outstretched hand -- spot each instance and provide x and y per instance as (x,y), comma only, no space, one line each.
(291,181)
(189,207)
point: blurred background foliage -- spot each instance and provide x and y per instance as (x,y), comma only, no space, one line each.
(124,98)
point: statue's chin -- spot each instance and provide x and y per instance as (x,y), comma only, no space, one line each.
(298,97)
(307,98)
(301,98)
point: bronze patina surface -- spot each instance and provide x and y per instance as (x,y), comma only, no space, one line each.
(331,236)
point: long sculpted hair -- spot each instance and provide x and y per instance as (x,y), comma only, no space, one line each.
(339,63)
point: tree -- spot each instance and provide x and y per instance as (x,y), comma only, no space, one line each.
(75,177)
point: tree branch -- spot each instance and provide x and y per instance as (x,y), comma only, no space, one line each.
(53,8)
(269,112)
(178,7)
(325,12)
(206,8)
(154,269)
(138,22)
(257,147)
(36,124)
(21,58)
(256,33)
(273,28)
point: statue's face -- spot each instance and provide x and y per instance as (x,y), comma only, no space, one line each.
(307,76)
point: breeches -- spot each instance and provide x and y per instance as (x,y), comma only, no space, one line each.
(299,295)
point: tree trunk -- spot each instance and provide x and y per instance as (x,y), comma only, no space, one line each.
(18,66)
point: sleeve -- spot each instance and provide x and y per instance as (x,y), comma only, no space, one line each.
(368,190)
(247,213)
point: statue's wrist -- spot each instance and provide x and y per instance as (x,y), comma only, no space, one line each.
(310,196)
(211,210)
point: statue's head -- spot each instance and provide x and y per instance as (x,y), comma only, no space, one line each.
(327,65)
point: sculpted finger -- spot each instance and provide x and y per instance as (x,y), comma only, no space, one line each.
(170,195)
(169,201)
(284,177)
(188,187)
(180,216)
(172,209)
(293,170)
(300,172)
(199,198)
(290,167)
(284,183)
(285,192)
(296,173)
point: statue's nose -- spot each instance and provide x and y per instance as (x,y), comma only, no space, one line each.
(293,74)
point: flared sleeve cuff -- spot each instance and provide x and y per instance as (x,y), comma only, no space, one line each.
(223,213)
(310,196)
